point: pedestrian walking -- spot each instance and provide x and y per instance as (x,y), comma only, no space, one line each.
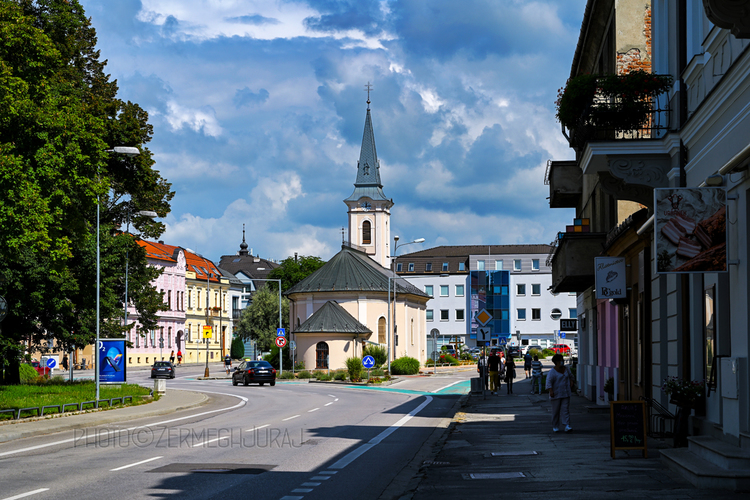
(64,362)
(228,363)
(527,364)
(482,369)
(559,384)
(171,357)
(536,374)
(493,364)
(179,356)
(510,373)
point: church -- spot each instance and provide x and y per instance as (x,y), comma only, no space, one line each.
(345,304)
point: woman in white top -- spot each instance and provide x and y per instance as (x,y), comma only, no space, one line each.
(559,384)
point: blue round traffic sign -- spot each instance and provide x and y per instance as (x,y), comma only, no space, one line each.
(51,363)
(368,361)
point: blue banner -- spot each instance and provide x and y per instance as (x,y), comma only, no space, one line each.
(111,363)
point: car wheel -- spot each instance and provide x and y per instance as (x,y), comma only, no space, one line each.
(272,383)
(234,381)
(153,376)
(261,383)
(245,381)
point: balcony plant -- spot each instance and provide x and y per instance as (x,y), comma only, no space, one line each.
(622,102)
(681,392)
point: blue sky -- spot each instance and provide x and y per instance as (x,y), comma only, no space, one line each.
(258,109)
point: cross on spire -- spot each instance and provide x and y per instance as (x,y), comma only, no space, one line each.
(368,88)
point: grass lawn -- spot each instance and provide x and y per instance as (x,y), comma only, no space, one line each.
(59,392)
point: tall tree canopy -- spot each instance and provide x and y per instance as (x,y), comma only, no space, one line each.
(59,114)
(293,270)
(260,319)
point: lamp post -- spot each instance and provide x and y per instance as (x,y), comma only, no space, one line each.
(208,294)
(127,151)
(145,213)
(390,278)
(281,360)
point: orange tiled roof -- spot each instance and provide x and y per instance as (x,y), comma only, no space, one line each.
(195,263)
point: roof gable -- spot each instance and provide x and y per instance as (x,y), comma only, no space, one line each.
(332,318)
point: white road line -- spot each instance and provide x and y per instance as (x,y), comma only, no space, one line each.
(302,490)
(319,478)
(445,387)
(291,498)
(157,424)
(310,484)
(328,472)
(22,495)
(328,403)
(332,395)
(259,427)
(289,418)
(351,457)
(314,409)
(336,399)
(203,443)
(137,463)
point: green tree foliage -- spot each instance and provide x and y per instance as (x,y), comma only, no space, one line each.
(58,115)
(378,352)
(260,319)
(273,358)
(237,351)
(291,271)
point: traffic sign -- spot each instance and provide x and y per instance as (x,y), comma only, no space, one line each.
(207,330)
(562,335)
(280,332)
(292,345)
(51,363)
(484,332)
(503,340)
(484,317)
(368,361)
(280,341)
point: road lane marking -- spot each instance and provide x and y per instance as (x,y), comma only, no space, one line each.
(336,399)
(314,409)
(302,490)
(137,463)
(115,431)
(319,478)
(289,418)
(22,495)
(203,443)
(311,484)
(449,385)
(328,472)
(351,457)
(291,498)
(329,403)
(259,427)
(332,395)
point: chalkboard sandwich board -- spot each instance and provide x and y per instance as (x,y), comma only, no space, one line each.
(627,426)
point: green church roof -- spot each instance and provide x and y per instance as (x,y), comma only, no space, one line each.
(332,318)
(353,271)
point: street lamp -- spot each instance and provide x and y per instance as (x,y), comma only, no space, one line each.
(127,151)
(390,278)
(208,295)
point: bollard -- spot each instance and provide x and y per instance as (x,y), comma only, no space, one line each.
(160,386)
(476,385)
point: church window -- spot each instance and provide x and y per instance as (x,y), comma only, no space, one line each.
(321,355)
(381,331)
(366,233)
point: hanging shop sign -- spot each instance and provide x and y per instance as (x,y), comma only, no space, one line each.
(691,230)
(610,277)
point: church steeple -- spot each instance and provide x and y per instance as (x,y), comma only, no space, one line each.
(243,245)
(368,183)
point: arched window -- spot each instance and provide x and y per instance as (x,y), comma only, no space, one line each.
(381,331)
(321,355)
(366,233)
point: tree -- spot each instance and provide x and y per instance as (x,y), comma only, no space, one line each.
(237,351)
(260,319)
(58,115)
(293,270)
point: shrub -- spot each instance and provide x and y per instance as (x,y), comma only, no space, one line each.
(537,352)
(323,376)
(237,350)
(377,372)
(304,374)
(407,366)
(548,352)
(354,367)
(378,352)
(339,375)
(27,373)
(299,365)
(286,375)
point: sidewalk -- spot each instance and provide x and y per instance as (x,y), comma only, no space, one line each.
(503,447)
(174,400)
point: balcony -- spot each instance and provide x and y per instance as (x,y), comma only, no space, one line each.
(572,261)
(565,181)
(236,313)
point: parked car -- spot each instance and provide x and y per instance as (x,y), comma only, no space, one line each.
(40,369)
(514,351)
(162,369)
(254,372)
(563,349)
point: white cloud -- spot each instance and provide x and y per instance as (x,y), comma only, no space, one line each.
(198,120)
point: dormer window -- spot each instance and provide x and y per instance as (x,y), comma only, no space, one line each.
(411,267)
(428,267)
(399,267)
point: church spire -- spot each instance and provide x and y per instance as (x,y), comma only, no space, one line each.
(368,182)
(243,245)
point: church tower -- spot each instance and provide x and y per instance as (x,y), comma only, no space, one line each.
(369,209)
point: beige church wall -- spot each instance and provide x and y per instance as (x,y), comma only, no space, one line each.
(340,347)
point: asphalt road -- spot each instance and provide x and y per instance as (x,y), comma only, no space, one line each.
(294,440)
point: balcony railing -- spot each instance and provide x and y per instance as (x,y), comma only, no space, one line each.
(236,313)
(618,118)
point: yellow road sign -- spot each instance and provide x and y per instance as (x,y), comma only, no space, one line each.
(207,331)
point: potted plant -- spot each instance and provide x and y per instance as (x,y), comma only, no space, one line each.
(609,388)
(681,392)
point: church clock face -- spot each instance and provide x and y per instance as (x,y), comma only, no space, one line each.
(366,205)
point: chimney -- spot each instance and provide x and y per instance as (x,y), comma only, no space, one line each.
(295,256)
(161,242)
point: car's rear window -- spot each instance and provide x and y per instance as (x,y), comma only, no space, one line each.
(161,364)
(259,364)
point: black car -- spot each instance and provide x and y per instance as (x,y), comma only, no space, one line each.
(515,352)
(162,369)
(252,372)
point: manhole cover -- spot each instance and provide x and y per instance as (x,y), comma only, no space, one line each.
(214,468)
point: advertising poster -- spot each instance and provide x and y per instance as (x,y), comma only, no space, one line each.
(691,230)
(609,274)
(112,361)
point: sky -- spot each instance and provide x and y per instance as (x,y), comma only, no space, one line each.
(258,109)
